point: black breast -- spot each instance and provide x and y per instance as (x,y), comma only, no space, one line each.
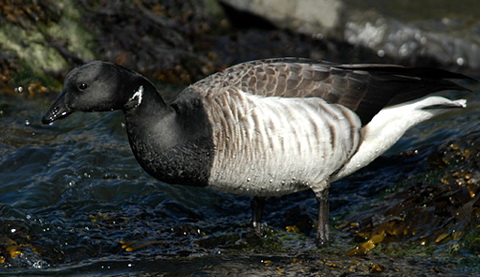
(175,146)
(187,164)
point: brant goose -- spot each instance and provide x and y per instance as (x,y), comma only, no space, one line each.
(263,128)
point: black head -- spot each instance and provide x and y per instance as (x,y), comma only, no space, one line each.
(95,86)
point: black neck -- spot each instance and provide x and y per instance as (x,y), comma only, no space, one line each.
(171,142)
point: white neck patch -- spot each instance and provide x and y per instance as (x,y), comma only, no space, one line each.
(137,96)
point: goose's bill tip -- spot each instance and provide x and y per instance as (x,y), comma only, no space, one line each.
(57,111)
(50,117)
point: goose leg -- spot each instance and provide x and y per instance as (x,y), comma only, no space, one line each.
(258,203)
(322,235)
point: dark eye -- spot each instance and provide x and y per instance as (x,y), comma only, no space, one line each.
(82,86)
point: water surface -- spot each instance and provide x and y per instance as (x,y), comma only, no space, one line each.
(71,193)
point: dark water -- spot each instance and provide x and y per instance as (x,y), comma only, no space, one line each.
(72,192)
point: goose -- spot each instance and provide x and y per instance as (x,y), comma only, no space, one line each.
(265,127)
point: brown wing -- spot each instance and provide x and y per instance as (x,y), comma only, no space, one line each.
(363,88)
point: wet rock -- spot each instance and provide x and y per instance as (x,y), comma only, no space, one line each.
(42,41)
(178,42)
(443,41)
(433,32)
(305,16)
(164,41)
(41,35)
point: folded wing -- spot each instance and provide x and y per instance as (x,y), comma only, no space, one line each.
(363,88)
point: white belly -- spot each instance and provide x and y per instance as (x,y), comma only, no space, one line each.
(269,146)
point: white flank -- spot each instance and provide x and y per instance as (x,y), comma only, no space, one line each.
(274,146)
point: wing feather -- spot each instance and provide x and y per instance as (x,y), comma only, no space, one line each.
(363,88)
